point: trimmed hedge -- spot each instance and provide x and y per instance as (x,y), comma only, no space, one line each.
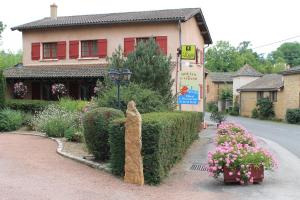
(27,105)
(95,123)
(293,116)
(165,137)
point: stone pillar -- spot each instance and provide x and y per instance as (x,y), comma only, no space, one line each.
(133,146)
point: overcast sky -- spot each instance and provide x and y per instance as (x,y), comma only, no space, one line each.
(259,21)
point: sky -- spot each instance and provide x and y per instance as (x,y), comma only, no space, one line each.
(259,21)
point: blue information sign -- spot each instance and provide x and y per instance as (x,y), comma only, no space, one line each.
(191,97)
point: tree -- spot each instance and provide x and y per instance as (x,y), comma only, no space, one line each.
(290,52)
(9,59)
(117,59)
(2,27)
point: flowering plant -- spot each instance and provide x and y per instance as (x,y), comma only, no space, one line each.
(59,89)
(238,138)
(20,90)
(226,128)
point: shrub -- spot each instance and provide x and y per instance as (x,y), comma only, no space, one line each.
(73,134)
(254,113)
(265,108)
(226,93)
(95,123)
(165,137)
(2,90)
(235,110)
(54,121)
(217,117)
(10,120)
(72,105)
(212,107)
(293,116)
(146,100)
(28,106)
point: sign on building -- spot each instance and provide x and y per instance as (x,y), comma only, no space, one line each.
(188,52)
(189,87)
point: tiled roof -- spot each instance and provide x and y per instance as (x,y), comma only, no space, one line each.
(218,77)
(247,70)
(292,70)
(60,71)
(156,16)
(269,82)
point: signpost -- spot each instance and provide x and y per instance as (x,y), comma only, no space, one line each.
(189,87)
(188,52)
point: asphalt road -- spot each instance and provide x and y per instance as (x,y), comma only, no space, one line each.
(286,135)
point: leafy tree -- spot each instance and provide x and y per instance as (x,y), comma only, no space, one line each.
(2,27)
(9,59)
(290,52)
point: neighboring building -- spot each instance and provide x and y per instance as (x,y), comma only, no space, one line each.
(243,76)
(215,82)
(73,49)
(283,89)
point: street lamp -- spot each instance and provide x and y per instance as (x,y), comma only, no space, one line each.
(119,76)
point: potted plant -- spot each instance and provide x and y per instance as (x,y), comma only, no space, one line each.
(217,117)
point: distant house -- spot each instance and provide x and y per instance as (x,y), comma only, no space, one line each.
(215,82)
(283,89)
(73,49)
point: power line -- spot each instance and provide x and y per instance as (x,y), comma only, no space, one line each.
(276,42)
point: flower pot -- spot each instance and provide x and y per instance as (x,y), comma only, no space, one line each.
(256,173)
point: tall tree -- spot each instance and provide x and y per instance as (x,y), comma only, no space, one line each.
(9,59)
(2,27)
(290,52)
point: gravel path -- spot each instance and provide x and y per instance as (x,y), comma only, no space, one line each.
(31,169)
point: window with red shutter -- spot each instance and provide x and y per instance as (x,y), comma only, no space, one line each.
(162,42)
(35,51)
(128,45)
(89,48)
(50,50)
(74,49)
(102,48)
(61,50)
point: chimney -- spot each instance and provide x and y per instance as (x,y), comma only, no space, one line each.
(53,11)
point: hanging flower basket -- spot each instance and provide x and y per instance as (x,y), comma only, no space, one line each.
(59,89)
(20,90)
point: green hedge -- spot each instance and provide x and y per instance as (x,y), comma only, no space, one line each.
(165,137)
(27,105)
(2,89)
(95,123)
(10,120)
(293,116)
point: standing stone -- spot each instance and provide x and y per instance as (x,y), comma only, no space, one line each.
(133,146)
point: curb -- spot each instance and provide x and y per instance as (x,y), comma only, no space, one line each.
(59,150)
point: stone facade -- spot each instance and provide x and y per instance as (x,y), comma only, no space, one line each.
(213,90)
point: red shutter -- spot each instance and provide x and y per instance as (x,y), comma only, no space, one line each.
(74,49)
(128,45)
(35,51)
(61,50)
(102,48)
(162,42)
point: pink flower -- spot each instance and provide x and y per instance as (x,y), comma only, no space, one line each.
(230,173)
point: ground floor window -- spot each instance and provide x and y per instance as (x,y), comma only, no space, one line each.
(273,96)
(260,95)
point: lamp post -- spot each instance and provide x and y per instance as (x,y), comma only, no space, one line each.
(119,76)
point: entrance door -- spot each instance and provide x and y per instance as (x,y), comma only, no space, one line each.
(36,90)
(74,90)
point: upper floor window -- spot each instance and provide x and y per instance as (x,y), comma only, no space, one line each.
(89,48)
(142,39)
(50,50)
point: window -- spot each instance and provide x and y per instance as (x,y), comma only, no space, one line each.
(273,96)
(260,95)
(50,50)
(142,39)
(89,48)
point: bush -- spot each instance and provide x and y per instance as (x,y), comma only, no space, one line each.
(265,108)
(217,117)
(146,100)
(255,113)
(235,110)
(95,123)
(73,134)
(165,138)
(2,89)
(72,105)
(212,106)
(10,120)
(293,116)
(54,121)
(226,93)
(28,106)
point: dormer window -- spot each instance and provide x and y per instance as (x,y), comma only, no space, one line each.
(89,48)
(50,50)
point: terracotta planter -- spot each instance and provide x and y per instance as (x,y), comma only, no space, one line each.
(256,173)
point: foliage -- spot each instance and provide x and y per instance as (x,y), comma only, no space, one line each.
(117,60)
(289,51)
(28,106)
(103,86)
(95,123)
(146,100)
(59,89)
(9,59)
(212,107)
(73,134)
(235,110)
(255,113)
(265,108)
(54,121)
(2,27)
(149,66)
(293,116)
(20,90)
(165,139)
(217,116)
(226,94)
(2,89)
(72,105)
(10,120)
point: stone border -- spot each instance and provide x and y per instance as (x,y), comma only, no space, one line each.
(59,150)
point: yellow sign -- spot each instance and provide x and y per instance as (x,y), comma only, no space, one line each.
(188,52)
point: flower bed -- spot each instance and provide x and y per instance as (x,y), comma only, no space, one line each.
(238,157)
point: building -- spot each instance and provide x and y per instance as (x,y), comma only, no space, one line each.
(73,49)
(215,82)
(283,89)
